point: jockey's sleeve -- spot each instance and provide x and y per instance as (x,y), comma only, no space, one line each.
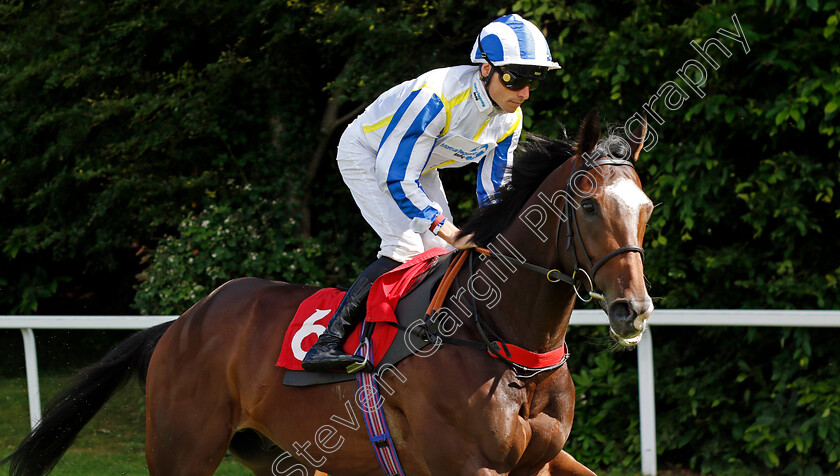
(404,151)
(495,171)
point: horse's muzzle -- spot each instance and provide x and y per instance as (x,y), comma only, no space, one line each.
(628,320)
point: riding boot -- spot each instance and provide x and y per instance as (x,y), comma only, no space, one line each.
(327,354)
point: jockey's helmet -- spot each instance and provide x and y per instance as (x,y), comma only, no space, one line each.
(515,43)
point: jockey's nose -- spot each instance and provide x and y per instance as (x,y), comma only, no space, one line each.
(525,92)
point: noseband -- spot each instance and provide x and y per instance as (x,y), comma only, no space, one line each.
(576,279)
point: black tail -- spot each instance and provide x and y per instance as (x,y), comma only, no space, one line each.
(68,412)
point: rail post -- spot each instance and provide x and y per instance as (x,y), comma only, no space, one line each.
(32,384)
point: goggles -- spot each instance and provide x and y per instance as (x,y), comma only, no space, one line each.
(514,76)
(516,81)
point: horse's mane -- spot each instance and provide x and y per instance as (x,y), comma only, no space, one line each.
(536,157)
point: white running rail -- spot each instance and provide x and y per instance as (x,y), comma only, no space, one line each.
(647,409)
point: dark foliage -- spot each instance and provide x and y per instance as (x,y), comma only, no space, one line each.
(151,150)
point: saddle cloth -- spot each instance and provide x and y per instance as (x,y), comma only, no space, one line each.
(314,313)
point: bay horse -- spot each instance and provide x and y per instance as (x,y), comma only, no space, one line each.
(212,386)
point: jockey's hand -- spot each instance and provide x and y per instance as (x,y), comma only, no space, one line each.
(449,233)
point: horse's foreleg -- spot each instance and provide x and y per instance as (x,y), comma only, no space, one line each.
(258,454)
(565,465)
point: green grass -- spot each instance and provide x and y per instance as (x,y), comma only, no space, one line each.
(111,444)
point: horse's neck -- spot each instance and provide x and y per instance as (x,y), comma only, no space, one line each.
(531,311)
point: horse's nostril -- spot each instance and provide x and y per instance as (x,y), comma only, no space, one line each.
(621,311)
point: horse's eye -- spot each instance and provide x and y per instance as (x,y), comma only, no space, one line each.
(588,207)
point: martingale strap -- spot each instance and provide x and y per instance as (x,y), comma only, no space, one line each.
(372,409)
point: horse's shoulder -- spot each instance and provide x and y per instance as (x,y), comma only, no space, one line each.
(548,420)
(554,394)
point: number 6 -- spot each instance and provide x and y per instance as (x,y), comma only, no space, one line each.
(308,327)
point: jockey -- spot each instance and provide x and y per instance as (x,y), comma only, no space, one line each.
(390,154)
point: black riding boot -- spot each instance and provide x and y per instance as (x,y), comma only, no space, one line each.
(327,353)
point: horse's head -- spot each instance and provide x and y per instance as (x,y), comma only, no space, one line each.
(585,205)
(607,216)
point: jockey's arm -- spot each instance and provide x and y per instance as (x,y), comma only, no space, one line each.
(493,172)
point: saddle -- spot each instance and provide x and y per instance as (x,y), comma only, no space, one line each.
(396,304)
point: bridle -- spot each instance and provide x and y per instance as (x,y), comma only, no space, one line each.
(491,341)
(573,241)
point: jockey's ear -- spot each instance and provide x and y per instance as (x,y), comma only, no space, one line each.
(485,70)
(590,133)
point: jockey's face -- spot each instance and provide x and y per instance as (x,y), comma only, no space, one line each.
(506,99)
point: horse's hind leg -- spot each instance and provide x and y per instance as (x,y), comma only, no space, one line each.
(189,442)
(189,422)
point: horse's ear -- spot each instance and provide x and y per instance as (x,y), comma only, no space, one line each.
(637,139)
(590,133)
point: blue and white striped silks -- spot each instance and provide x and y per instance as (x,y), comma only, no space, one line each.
(444,118)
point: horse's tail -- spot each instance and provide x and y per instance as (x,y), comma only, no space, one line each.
(68,412)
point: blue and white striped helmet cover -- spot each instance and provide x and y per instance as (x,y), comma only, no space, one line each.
(512,39)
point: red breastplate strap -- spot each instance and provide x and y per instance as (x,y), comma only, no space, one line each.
(532,360)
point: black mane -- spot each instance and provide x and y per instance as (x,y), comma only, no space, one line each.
(535,159)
